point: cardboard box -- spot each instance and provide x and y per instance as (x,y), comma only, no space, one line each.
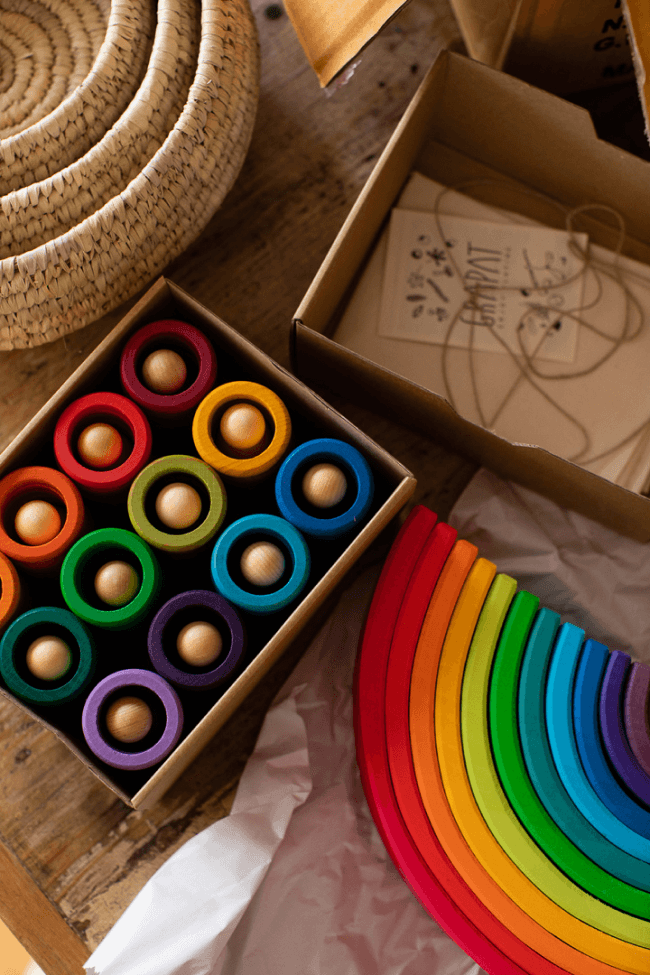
(562,45)
(466,122)
(267,637)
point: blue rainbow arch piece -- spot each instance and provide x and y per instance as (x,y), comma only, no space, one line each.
(561,735)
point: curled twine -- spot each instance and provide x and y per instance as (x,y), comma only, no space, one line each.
(525,362)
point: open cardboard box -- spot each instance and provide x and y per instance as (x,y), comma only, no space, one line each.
(467,122)
(267,636)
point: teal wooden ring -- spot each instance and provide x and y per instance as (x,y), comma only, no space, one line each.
(72,574)
(15,636)
(256,526)
(188,541)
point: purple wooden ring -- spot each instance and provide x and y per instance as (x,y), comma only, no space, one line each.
(148,338)
(620,754)
(636,714)
(198,680)
(133,761)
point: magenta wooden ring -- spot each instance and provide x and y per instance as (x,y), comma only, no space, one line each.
(149,338)
(126,679)
(196,679)
(100,406)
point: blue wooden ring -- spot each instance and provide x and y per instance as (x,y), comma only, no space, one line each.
(560,730)
(256,526)
(542,770)
(612,696)
(342,455)
(586,698)
(80,676)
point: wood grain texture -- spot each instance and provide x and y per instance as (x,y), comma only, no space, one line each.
(70,852)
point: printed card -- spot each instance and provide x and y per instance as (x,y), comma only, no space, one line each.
(482,285)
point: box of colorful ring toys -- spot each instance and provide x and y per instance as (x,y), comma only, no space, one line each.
(168,522)
(491,287)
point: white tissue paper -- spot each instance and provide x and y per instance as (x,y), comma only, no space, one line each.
(296,879)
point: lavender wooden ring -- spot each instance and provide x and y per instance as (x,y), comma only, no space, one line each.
(636,714)
(124,680)
(163,659)
(189,340)
(620,754)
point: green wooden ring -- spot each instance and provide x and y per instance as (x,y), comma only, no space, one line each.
(81,676)
(75,562)
(190,540)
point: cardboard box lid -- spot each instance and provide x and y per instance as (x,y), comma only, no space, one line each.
(332,32)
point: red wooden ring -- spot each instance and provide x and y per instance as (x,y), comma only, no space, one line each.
(9,589)
(44,482)
(97,406)
(146,340)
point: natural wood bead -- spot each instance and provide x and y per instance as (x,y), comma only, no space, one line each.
(178,505)
(37,522)
(48,658)
(164,371)
(262,564)
(324,485)
(100,446)
(243,429)
(116,583)
(199,643)
(129,719)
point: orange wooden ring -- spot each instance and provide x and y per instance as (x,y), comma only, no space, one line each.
(47,483)
(9,589)
(227,395)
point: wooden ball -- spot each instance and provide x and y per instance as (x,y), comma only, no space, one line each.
(199,643)
(129,719)
(100,446)
(243,429)
(262,564)
(164,371)
(116,583)
(48,658)
(37,522)
(178,505)
(324,485)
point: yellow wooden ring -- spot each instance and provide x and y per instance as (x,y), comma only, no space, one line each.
(225,395)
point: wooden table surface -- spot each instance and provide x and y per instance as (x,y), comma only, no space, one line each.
(72,856)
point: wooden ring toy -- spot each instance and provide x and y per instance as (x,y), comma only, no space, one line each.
(49,484)
(541,767)
(185,338)
(564,748)
(436,884)
(172,468)
(218,400)
(506,828)
(509,763)
(586,693)
(36,622)
(250,528)
(204,604)
(636,714)
(357,499)
(612,694)
(130,681)
(9,590)
(77,575)
(102,406)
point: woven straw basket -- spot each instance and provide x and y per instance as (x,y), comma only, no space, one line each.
(122,127)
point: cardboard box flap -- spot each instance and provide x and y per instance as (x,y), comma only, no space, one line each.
(638,21)
(487,27)
(332,32)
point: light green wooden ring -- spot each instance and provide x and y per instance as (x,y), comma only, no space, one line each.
(190,540)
